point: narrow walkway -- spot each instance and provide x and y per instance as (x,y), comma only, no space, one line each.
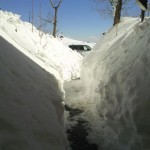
(77,134)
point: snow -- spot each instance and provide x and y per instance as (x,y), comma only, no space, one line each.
(47,51)
(114,91)
(32,71)
(116,78)
(31,109)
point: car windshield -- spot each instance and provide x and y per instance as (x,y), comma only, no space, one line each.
(86,48)
(80,47)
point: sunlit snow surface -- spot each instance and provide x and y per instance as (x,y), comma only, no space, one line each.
(116,76)
(51,53)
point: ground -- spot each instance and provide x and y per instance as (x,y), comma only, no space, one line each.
(77,134)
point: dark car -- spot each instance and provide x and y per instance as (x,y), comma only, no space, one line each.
(80,48)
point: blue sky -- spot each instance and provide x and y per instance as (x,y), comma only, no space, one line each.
(76,18)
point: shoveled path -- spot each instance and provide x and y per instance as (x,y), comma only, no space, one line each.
(77,135)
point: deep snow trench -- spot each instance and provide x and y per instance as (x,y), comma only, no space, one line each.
(112,107)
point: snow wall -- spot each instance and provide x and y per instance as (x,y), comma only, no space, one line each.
(47,49)
(116,76)
(31,110)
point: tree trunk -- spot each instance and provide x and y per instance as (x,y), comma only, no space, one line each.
(118,12)
(142,15)
(55,22)
(55,16)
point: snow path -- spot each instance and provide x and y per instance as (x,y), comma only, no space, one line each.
(77,127)
(73,91)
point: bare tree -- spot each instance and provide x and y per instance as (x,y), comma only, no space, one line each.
(32,14)
(44,22)
(55,7)
(113,8)
(142,15)
(52,19)
(117,11)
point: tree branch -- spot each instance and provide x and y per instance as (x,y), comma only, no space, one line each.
(49,21)
(54,5)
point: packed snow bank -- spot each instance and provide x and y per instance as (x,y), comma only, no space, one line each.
(51,53)
(116,76)
(31,110)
